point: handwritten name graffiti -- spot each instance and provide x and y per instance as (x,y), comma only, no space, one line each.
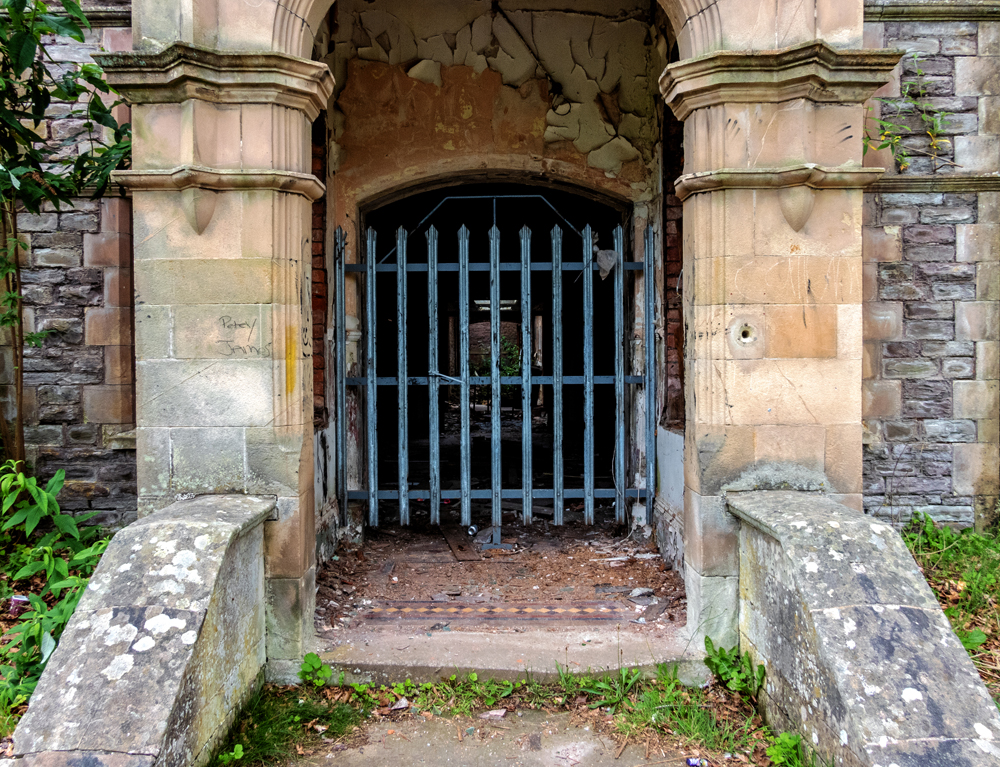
(241,341)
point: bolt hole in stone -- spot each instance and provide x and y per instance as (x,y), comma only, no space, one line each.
(746,334)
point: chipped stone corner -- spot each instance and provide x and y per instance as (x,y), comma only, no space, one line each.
(860,658)
(170,631)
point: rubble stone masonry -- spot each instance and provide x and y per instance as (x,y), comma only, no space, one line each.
(932,282)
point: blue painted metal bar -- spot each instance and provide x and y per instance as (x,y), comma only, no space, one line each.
(463,357)
(505,266)
(526,374)
(649,314)
(557,393)
(619,462)
(404,435)
(433,384)
(588,377)
(340,363)
(496,477)
(372,387)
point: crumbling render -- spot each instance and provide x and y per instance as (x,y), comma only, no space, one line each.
(599,67)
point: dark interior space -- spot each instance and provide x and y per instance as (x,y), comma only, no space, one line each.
(509,207)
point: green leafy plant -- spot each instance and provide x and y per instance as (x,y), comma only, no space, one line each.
(232,756)
(314,671)
(787,750)
(890,130)
(35,166)
(613,691)
(49,544)
(736,672)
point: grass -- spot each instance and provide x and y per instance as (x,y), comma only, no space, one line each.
(279,724)
(963,569)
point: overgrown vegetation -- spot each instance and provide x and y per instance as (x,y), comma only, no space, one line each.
(905,119)
(963,569)
(281,723)
(48,559)
(36,168)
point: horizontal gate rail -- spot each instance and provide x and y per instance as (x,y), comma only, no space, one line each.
(507,493)
(505,266)
(370,381)
(486,380)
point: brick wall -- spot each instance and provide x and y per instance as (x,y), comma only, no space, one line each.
(932,284)
(672,413)
(320,300)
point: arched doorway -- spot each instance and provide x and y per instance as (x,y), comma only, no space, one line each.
(496,330)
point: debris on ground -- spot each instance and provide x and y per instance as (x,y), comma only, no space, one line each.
(548,564)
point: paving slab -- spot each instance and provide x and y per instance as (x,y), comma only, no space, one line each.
(535,738)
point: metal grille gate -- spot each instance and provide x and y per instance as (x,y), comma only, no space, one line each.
(369,383)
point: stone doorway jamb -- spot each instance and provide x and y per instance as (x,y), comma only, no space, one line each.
(772,192)
(222,191)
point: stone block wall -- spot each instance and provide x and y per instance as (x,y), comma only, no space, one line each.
(932,277)
(77,273)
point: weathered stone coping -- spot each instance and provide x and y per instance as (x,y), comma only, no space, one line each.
(166,643)
(932,10)
(860,658)
(814,71)
(958,183)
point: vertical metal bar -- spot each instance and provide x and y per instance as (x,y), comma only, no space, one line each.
(401,372)
(463,357)
(370,381)
(588,376)
(433,382)
(526,375)
(340,361)
(649,315)
(619,462)
(495,434)
(557,376)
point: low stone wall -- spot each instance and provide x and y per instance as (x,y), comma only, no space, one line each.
(164,647)
(860,658)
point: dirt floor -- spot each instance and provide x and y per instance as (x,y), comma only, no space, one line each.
(558,567)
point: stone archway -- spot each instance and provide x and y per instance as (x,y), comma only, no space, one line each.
(223,99)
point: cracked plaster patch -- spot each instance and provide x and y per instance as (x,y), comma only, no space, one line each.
(582,55)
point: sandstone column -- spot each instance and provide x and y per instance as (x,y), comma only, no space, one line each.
(222,225)
(772,288)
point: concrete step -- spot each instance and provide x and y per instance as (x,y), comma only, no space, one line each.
(383,657)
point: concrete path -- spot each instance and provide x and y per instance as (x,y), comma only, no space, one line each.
(533,739)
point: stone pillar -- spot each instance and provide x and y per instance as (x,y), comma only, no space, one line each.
(222,194)
(772,289)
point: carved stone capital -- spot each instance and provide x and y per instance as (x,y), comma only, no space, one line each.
(812,71)
(807,175)
(182,72)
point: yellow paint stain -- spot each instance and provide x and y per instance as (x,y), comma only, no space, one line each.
(290,360)
(466,111)
(442,128)
(449,145)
